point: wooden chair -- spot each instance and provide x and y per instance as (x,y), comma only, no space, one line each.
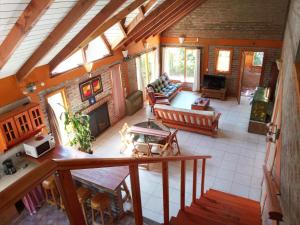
(126,138)
(83,194)
(101,205)
(50,191)
(142,150)
(173,143)
(155,98)
(125,189)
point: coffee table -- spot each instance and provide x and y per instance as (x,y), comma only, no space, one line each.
(200,104)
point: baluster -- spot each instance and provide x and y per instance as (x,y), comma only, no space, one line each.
(136,194)
(68,193)
(203,176)
(165,181)
(195,179)
(182,187)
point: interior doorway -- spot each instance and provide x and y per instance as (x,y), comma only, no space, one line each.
(57,105)
(251,72)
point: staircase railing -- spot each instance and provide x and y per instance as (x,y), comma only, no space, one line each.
(61,168)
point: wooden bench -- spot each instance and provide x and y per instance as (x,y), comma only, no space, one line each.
(204,122)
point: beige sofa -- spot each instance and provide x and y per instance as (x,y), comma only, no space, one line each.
(204,122)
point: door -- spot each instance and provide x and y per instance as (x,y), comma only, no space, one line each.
(118,91)
(241,77)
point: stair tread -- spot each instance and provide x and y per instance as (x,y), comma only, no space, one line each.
(185,218)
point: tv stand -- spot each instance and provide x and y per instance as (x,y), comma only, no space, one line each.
(213,93)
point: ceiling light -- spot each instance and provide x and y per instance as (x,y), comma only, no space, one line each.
(181,39)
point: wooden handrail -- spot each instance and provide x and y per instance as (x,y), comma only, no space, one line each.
(62,167)
(274,209)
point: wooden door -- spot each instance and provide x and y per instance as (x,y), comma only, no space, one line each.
(9,131)
(36,118)
(118,91)
(240,79)
(23,123)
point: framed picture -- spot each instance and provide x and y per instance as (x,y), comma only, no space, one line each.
(90,88)
(97,85)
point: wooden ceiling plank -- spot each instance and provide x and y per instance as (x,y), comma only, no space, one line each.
(177,9)
(177,18)
(160,10)
(70,20)
(95,28)
(140,16)
(29,17)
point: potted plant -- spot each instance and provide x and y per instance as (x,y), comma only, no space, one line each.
(78,128)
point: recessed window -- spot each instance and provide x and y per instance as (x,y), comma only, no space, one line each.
(258,58)
(96,50)
(223,60)
(72,62)
(114,35)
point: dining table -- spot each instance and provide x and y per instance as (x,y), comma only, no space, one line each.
(108,180)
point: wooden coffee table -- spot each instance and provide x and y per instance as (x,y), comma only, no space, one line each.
(201,104)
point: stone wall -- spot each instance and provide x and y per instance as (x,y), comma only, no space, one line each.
(290,153)
(235,19)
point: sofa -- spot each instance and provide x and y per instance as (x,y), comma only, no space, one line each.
(134,102)
(204,122)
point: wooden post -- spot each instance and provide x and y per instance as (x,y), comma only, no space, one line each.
(68,194)
(195,179)
(203,176)
(182,187)
(165,181)
(136,194)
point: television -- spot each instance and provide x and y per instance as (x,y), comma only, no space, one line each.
(216,82)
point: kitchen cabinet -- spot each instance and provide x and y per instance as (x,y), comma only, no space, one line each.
(20,124)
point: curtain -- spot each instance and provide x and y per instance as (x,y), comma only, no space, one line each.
(118,94)
(155,68)
(140,79)
(196,84)
(54,126)
(164,65)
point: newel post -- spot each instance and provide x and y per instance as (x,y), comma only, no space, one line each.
(136,194)
(68,193)
(203,176)
(165,182)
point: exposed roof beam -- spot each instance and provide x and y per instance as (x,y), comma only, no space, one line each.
(159,11)
(34,10)
(95,28)
(73,16)
(175,10)
(140,16)
(104,39)
(176,18)
(122,28)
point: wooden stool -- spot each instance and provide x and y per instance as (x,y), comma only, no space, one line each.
(124,188)
(83,194)
(50,190)
(101,203)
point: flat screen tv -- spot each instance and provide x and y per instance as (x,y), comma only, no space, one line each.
(216,82)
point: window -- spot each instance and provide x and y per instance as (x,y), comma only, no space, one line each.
(114,35)
(96,50)
(223,60)
(180,63)
(258,58)
(72,62)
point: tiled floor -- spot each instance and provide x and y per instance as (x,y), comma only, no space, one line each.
(236,166)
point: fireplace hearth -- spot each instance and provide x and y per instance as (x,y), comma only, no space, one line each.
(99,120)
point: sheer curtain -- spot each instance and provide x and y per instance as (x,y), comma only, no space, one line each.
(196,84)
(140,79)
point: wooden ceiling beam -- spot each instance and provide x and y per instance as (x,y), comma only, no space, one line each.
(29,17)
(159,11)
(104,39)
(70,20)
(86,34)
(169,23)
(177,9)
(123,29)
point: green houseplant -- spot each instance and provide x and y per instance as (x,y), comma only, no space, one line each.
(78,128)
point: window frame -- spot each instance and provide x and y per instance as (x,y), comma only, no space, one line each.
(217,50)
(262,63)
(185,60)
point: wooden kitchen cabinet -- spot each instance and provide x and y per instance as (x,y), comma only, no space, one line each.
(20,124)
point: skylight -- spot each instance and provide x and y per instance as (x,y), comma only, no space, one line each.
(131,16)
(114,35)
(96,50)
(72,62)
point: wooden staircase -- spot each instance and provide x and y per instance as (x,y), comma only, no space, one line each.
(219,208)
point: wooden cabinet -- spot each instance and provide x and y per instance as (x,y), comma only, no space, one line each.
(20,124)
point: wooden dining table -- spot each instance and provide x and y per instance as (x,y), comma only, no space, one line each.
(108,180)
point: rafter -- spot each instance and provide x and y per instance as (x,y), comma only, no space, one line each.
(104,39)
(140,17)
(95,28)
(174,10)
(74,15)
(176,18)
(24,24)
(123,29)
(159,11)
